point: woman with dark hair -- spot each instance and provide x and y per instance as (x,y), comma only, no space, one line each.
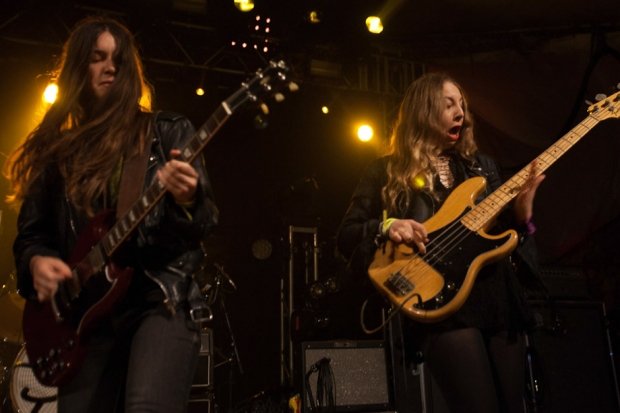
(142,355)
(477,354)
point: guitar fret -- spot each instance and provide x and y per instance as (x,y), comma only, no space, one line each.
(112,239)
(202,134)
(96,258)
(118,233)
(187,153)
(125,224)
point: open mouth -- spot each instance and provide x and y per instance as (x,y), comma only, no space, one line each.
(454,133)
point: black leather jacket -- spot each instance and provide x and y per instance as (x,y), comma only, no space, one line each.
(167,246)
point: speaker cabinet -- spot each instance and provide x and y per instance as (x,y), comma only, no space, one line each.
(201,395)
(573,369)
(360,374)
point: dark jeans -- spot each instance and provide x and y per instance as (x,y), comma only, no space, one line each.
(148,367)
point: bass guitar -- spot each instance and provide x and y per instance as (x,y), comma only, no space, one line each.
(431,287)
(57,332)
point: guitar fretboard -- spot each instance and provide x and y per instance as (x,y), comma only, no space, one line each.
(490,207)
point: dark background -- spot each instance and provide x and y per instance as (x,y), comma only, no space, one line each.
(527,68)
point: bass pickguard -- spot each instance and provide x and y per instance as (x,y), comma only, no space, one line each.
(453,263)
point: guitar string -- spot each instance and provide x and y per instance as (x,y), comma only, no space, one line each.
(465,232)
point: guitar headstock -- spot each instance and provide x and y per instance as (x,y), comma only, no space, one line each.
(268,82)
(606,108)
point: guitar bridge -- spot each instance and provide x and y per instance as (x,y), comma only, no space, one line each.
(399,284)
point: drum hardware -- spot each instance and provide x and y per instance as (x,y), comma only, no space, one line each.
(27,394)
(11,310)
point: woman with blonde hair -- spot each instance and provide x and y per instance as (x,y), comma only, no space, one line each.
(477,354)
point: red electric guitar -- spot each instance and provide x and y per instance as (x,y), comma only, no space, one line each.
(56,332)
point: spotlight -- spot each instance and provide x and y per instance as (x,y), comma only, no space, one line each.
(374,24)
(333,285)
(364,133)
(200,91)
(51,91)
(315,16)
(316,290)
(244,5)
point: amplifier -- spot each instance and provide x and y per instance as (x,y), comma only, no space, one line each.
(360,374)
(574,366)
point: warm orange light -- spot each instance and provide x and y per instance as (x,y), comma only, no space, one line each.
(314,17)
(244,5)
(200,91)
(364,133)
(374,24)
(51,91)
(325,110)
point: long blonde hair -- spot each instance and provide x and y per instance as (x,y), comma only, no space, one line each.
(417,138)
(84,137)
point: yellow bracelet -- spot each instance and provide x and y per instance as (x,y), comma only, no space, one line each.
(187,204)
(385,227)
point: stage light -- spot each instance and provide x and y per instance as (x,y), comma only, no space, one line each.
(199,90)
(364,133)
(419,181)
(51,91)
(325,110)
(265,49)
(316,290)
(314,17)
(374,24)
(244,5)
(261,121)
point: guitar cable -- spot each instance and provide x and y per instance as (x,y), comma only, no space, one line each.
(393,310)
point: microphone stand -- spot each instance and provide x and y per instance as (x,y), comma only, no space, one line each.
(236,359)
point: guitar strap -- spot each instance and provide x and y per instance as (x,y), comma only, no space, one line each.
(132,175)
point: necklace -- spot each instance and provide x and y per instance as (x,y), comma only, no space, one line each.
(442,166)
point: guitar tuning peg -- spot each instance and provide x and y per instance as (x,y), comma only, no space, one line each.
(279,97)
(618,86)
(600,97)
(589,103)
(264,108)
(293,87)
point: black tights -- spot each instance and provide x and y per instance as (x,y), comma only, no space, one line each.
(476,372)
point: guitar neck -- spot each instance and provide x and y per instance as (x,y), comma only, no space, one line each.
(97,258)
(483,213)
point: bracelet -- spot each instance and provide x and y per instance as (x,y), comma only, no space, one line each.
(385,225)
(529,227)
(187,204)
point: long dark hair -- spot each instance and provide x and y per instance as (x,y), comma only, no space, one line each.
(416,140)
(86,137)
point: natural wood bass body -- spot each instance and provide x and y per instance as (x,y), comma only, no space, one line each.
(433,286)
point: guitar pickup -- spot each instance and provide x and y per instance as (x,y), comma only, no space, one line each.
(399,284)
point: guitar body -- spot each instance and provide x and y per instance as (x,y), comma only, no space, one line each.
(433,286)
(57,332)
